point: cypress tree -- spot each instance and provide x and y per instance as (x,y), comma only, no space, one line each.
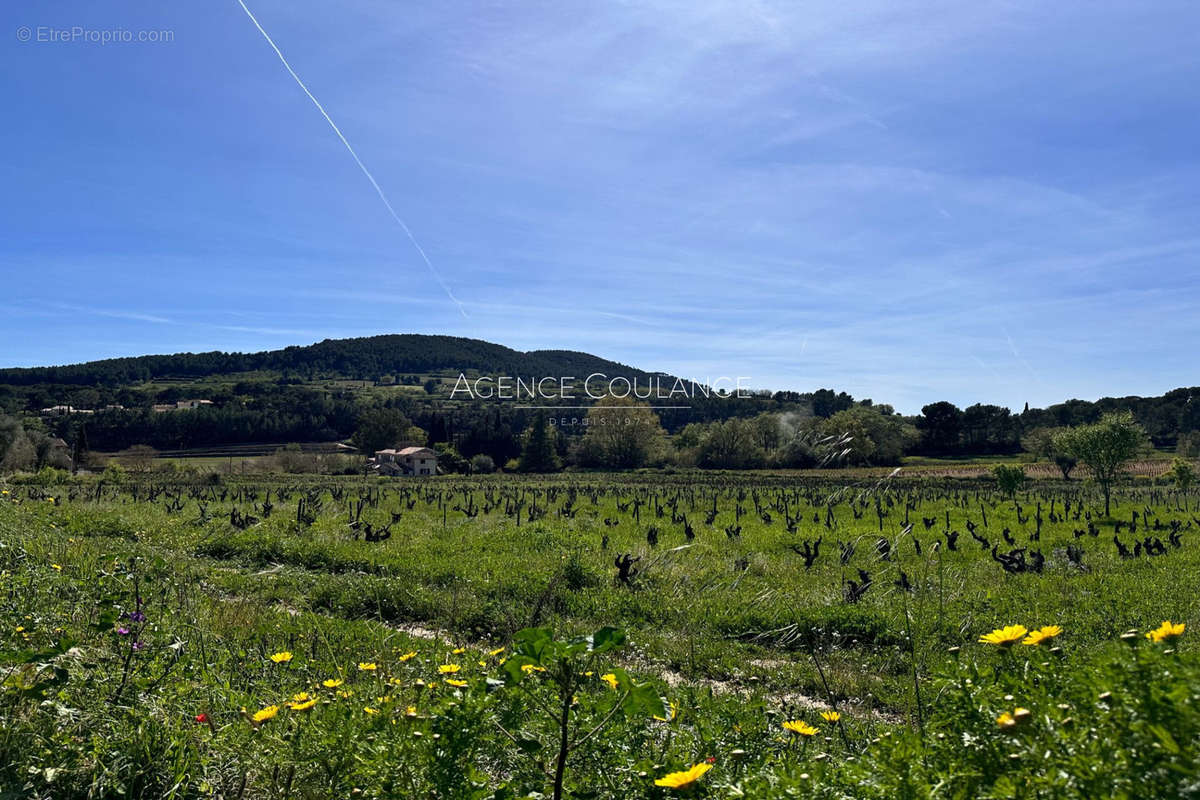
(538,454)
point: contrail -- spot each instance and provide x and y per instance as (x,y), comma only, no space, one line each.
(437,276)
(1012,346)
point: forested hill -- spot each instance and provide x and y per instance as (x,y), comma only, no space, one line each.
(320,392)
(360,359)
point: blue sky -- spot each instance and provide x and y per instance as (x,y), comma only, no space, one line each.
(980,202)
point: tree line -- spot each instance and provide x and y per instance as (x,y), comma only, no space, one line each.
(272,398)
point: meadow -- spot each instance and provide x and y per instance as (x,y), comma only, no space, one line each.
(597,636)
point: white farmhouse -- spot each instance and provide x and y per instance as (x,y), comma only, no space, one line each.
(406,461)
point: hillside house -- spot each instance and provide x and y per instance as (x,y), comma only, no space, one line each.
(60,410)
(181,405)
(405,461)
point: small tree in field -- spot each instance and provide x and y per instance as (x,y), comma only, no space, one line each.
(1182,473)
(1040,442)
(1065,464)
(139,458)
(1009,478)
(1105,448)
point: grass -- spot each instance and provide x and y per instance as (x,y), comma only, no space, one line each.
(732,629)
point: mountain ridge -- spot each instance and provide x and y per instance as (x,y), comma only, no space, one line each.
(357,358)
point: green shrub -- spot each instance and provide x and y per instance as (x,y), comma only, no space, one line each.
(1182,474)
(1009,478)
(113,473)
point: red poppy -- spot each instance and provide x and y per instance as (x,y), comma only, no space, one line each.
(202,718)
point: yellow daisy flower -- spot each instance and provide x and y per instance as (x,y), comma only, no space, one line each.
(1006,636)
(1043,634)
(1166,632)
(682,780)
(302,702)
(263,714)
(800,726)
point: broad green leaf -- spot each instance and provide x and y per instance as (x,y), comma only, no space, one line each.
(513,667)
(607,638)
(644,701)
(107,619)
